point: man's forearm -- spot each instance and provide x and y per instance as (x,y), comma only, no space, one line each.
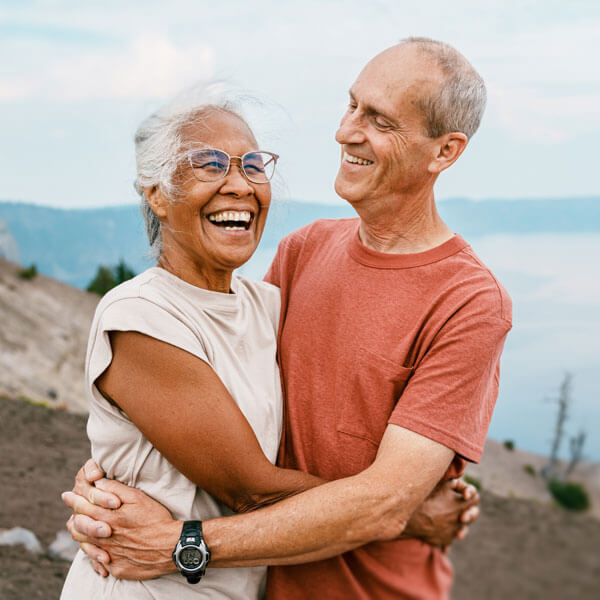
(437,524)
(320,523)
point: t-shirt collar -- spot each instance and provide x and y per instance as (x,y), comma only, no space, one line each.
(380,260)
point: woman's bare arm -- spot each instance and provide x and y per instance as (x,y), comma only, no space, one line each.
(182,407)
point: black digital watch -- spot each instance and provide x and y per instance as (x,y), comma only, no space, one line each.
(191,555)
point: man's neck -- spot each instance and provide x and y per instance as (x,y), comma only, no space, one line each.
(405,226)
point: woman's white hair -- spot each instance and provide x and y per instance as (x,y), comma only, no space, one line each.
(159,145)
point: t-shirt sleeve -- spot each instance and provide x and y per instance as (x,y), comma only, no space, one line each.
(141,315)
(284,263)
(452,393)
(273,275)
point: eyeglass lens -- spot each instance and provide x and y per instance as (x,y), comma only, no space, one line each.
(210,164)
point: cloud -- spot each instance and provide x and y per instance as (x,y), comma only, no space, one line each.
(562,265)
(539,116)
(541,86)
(150,66)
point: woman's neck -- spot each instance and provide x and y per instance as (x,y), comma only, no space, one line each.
(215,281)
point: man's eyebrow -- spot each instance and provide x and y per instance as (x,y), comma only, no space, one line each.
(372,110)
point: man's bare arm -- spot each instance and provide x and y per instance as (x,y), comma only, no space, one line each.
(322,522)
(444,516)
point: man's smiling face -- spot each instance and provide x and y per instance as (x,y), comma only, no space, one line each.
(385,150)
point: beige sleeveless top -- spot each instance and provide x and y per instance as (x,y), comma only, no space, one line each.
(236,334)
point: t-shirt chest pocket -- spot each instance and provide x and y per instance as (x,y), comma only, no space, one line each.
(374,387)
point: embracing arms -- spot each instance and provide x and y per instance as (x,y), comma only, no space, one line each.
(182,407)
(328,520)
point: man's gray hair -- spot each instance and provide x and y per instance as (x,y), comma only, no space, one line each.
(459,103)
(159,146)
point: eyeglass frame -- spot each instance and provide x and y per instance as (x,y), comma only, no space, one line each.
(239,159)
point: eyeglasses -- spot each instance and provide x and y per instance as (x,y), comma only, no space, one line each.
(210,164)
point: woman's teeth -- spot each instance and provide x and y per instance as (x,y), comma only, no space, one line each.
(232,220)
(230,215)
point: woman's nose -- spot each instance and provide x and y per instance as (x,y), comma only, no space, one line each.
(236,182)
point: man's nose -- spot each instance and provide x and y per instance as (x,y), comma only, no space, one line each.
(350,130)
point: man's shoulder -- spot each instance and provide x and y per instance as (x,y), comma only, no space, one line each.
(480,285)
(310,243)
(319,230)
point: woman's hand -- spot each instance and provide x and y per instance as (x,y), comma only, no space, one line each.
(134,541)
(446,514)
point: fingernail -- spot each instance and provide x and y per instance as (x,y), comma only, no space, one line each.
(112,503)
(101,530)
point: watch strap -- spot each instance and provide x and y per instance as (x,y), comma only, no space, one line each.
(191,529)
(191,535)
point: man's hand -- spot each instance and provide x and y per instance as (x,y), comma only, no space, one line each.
(123,541)
(445,514)
(141,524)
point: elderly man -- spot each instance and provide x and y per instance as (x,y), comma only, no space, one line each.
(390,343)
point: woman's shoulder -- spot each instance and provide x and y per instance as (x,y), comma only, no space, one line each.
(134,290)
(266,292)
(260,296)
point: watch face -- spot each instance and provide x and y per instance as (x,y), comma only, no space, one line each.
(190,557)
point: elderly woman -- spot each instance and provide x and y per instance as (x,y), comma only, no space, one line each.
(183,385)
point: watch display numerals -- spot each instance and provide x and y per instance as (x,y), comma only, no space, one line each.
(190,557)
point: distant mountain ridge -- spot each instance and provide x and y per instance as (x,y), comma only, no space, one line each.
(69,244)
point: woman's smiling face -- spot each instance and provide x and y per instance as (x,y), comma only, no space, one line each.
(198,240)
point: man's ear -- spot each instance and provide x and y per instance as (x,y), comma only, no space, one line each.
(450,146)
(158,203)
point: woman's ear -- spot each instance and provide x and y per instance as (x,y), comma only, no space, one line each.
(158,203)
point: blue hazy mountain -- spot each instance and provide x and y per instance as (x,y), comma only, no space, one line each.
(70,244)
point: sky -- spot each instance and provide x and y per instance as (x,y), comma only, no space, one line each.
(76,78)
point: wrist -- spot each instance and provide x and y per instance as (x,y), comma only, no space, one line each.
(191,554)
(169,535)
(420,526)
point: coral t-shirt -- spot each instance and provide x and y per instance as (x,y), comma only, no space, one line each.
(368,339)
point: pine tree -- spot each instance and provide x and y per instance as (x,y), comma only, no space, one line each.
(108,277)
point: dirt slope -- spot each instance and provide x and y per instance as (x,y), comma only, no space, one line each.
(519,549)
(43,337)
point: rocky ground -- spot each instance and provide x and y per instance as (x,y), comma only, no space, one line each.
(45,325)
(41,450)
(521,549)
(515,474)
